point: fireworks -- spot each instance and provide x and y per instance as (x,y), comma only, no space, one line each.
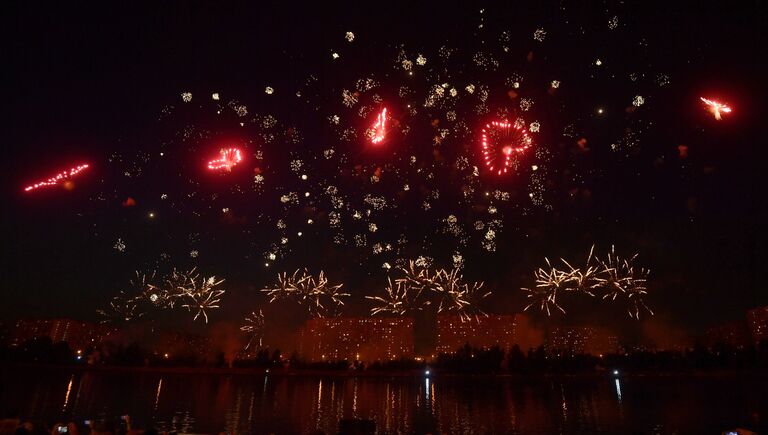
(548,282)
(320,298)
(500,141)
(619,278)
(229,157)
(254,326)
(189,290)
(58,178)
(610,278)
(396,301)
(418,288)
(317,190)
(379,128)
(184,289)
(204,297)
(122,309)
(716,108)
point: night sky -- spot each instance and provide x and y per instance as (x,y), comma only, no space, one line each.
(103,84)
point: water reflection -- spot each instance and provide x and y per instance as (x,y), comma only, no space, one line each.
(69,390)
(157,396)
(278,404)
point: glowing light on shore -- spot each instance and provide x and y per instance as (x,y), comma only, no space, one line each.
(58,178)
(229,157)
(716,108)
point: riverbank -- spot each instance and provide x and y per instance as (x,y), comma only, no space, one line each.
(278,372)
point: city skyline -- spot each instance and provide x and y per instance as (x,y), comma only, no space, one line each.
(372,339)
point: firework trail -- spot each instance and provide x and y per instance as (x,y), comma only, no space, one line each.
(56,179)
(379,128)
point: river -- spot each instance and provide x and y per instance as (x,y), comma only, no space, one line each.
(211,403)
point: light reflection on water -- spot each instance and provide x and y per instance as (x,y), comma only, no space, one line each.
(418,404)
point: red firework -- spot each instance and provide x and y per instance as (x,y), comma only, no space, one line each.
(501,141)
(716,107)
(379,128)
(229,157)
(58,178)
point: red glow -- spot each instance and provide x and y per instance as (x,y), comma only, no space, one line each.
(517,140)
(228,158)
(58,178)
(716,107)
(379,128)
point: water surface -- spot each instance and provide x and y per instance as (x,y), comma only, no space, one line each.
(279,404)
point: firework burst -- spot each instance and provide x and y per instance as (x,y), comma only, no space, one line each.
(185,289)
(610,278)
(123,308)
(500,142)
(228,158)
(254,326)
(418,287)
(716,108)
(396,300)
(319,297)
(202,295)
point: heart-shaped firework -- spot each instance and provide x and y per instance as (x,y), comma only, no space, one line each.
(501,142)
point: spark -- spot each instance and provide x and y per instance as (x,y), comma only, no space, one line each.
(122,309)
(201,295)
(58,178)
(716,108)
(418,288)
(228,158)
(495,132)
(610,278)
(254,325)
(320,298)
(379,128)
(119,245)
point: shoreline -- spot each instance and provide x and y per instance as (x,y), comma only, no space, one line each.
(278,372)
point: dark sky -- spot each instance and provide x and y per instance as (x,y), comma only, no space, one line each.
(83,83)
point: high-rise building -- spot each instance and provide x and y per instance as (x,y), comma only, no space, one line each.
(78,334)
(357,338)
(483,332)
(758,323)
(576,340)
(734,333)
